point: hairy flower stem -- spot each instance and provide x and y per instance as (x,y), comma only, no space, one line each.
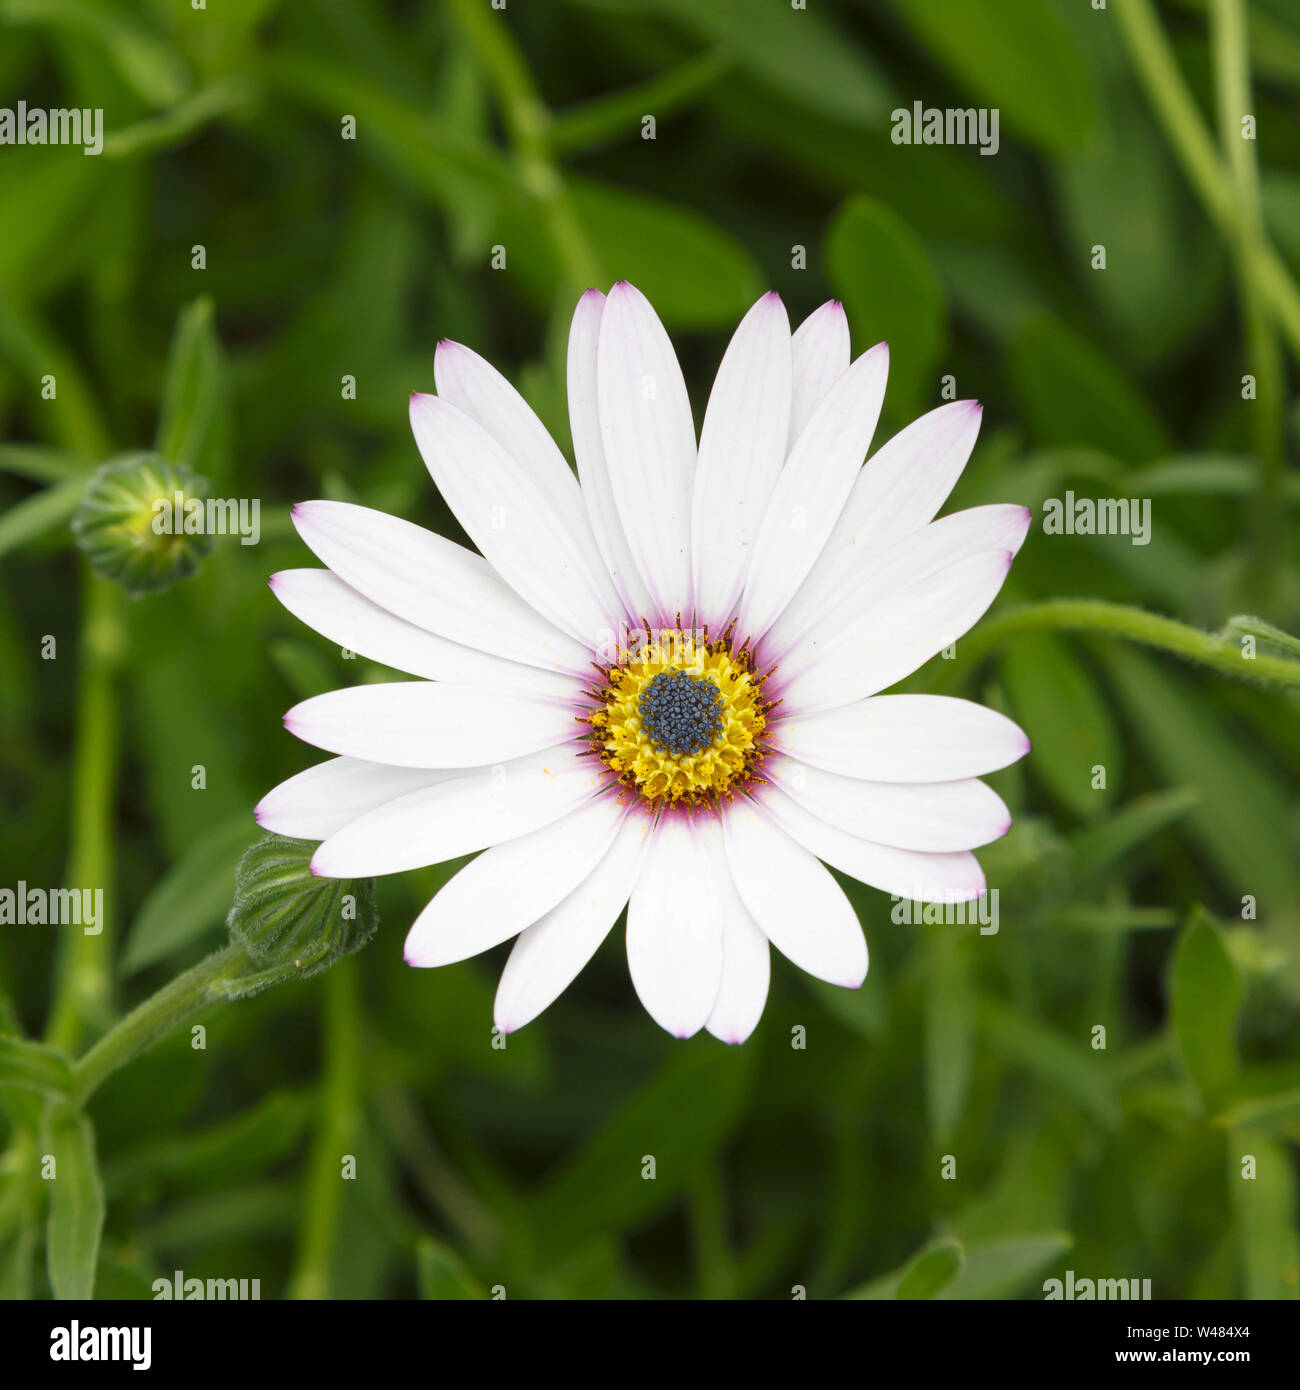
(83,982)
(1100,618)
(176,1003)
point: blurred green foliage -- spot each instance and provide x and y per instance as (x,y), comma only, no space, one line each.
(953,1130)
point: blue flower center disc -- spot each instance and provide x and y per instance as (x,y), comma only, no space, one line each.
(680,713)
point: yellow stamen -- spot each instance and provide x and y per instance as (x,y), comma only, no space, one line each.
(649,770)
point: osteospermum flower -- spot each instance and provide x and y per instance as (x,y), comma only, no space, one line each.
(658,684)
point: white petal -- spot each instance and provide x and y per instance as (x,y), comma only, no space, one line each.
(906,873)
(511,885)
(434,583)
(893,565)
(904,738)
(649,443)
(472,810)
(338,612)
(429,724)
(821,356)
(746,962)
(894,636)
(529,522)
(475,387)
(548,956)
(321,800)
(589,452)
(794,899)
(900,488)
(930,816)
(811,491)
(742,448)
(674,930)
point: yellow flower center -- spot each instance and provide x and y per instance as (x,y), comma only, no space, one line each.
(679,718)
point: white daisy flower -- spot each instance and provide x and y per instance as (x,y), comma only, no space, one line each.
(658,684)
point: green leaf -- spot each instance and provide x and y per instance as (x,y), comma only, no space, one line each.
(1274,1108)
(1014,54)
(1064,1066)
(42,200)
(695,274)
(36,516)
(949,1033)
(1265,633)
(1002,1268)
(1266,1211)
(442,1274)
(293,923)
(33,1066)
(223,1153)
(801,53)
(1205,994)
(930,1274)
(1280,195)
(926,1275)
(76,1217)
(193,895)
(677,1120)
(147,63)
(1123,191)
(1244,809)
(305,668)
(1140,820)
(192,423)
(1056,700)
(1072,394)
(876,266)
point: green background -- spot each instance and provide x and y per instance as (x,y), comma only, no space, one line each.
(813,1156)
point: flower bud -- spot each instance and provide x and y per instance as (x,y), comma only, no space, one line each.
(131,523)
(291,922)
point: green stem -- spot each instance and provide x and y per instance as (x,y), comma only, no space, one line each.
(340,1101)
(179,1002)
(528,125)
(715,1274)
(442,1186)
(1232,79)
(1275,49)
(618,115)
(84,980)
(1100,618)
(1194,146)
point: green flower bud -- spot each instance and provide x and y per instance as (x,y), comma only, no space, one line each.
(292,923)
(130,523)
